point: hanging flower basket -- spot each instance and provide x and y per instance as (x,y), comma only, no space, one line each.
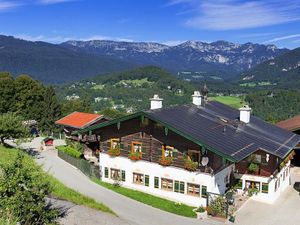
(135,156)
(114,152)
(166,161)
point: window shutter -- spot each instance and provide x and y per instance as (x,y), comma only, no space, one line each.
(156,182)
(106,172)
(121,146)
(147,180)
(176,186)
(144,150)
(175,153)
(129,147)
(123,175)
(204,192)
(160,152)
(182,187)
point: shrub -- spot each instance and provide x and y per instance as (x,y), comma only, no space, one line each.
(166,161)
(253,168)
(190,165)
(135,156)
(200,209)
(218,206)
(70,151)
(252,191)
(23,192)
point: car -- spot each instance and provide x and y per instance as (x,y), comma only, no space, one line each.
(297,186)
(230,198)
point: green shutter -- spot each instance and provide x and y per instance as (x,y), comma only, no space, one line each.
(156,182)
(106,172)
(123,175)
(182,187)
(159,151)
(176,186)
(147,180)
(129,147)
(204,191)
(175,153)
(121,146)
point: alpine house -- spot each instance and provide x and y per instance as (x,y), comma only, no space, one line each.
(185,152)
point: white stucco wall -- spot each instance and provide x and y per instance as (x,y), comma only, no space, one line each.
(215,184)
(272,195)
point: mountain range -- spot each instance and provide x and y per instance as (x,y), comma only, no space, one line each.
(76,60)
(282,71)
(220,58)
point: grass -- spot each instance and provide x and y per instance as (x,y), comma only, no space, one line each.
(59,190)
(232,101)
(154,201)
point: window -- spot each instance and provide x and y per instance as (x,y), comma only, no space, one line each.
(166,184)
(204,192)
(136,147)
(147,180)
(115,174)
(253,185)
(114,143)
(257,158)
(123,175)
(138,178)
(106,172)
(265,188)
(179,186)
(156,182)
(168,151)
(194,155)
(193,189)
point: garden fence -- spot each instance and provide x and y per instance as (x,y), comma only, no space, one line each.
(84,166)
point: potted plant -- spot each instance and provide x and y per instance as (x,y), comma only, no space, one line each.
(135,156)
(166,161)
(114,151)
(190,165)
(253,168)
(201,212)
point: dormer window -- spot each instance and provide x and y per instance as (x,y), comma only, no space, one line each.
(114,143)
(168,151)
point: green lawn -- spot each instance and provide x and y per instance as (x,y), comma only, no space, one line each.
(154,201)
(59,190)
(232,101)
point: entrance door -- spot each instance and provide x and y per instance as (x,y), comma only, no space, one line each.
(252,184)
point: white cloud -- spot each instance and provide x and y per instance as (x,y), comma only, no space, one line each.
(237,14)
(6,5)
(49,2)
(292,36)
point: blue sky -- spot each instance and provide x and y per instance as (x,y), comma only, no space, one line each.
(165,21)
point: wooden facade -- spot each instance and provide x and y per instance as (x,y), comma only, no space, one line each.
(154,139)
(266,168)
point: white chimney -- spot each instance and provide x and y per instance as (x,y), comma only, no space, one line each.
(156,102)
(245,114)
(197,98)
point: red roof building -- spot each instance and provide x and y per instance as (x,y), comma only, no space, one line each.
(79,120)
(292,124)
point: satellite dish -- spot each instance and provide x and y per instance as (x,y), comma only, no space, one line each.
(204,161)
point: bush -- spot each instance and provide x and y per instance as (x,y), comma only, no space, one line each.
(200,209)
(70,151)
(252,191)
(23,192)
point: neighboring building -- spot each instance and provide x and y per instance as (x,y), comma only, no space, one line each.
(293,124)
(77,121)
(184,152)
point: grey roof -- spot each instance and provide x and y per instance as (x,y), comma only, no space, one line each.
(218,126)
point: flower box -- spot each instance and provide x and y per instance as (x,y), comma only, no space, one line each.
(166,161)
(135,156)
(114,152)
(190,165)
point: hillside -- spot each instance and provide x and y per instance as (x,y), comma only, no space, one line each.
(280,72)
(52,63)
(129,91)
(216,60)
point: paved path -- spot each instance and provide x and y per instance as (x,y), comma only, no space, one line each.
(284,211)
(128,210)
